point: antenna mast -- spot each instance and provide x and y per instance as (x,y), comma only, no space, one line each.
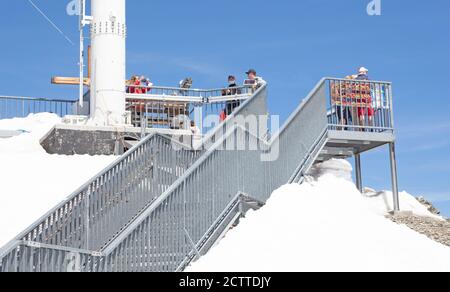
(84,20)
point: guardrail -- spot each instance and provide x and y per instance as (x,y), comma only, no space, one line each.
(356,105)
(167,107)
(20,107)
(150,107)
(192,94)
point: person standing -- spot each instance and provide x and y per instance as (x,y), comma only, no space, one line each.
(364,99)
(363,74)
(146,84)
(196,135)
(231,105)
(253,80)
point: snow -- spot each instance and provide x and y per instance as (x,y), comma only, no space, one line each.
(381,203)
(32,181)
(325,224)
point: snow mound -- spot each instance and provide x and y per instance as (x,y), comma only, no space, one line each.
(339,168)
(325,225)
(32,181)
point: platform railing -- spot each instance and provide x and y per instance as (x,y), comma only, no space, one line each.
(174,108)
(20,107)
(191,94)
(360,105)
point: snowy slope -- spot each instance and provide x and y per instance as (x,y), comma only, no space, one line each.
(32,181)
(326,225)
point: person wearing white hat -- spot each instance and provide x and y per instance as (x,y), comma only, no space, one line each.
(363,74)
(367,111)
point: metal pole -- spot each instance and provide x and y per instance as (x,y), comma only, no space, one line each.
(394,177)
(81,88)
(358,172)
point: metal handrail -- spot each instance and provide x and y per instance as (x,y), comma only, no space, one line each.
(17,106)
(167,107)
(190,93)
(38,99)
(36,257)
(360,105)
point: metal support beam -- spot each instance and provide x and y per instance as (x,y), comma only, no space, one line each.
(358,172)
(394,177)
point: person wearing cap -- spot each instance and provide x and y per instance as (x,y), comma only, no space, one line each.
(254,80)
(365,98)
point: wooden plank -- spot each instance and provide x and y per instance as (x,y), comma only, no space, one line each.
(70,81)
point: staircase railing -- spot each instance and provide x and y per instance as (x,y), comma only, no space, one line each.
(26,256)
(173,228)
(102,206)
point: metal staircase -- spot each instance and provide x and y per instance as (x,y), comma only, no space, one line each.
(158,208)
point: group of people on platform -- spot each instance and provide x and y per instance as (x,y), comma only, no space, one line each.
(354,102)
(138,85)
(142,85)
(352,99)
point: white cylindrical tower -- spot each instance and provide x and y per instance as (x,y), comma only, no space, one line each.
(108,34)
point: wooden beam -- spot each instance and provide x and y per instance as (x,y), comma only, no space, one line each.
(70,81)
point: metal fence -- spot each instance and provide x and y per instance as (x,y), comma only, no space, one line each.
(166,107)
(188,94)
(19,107)
(360,105)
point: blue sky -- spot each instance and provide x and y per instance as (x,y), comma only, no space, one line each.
(292,43)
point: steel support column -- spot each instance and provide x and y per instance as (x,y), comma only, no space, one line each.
(358,172)
(394,177)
